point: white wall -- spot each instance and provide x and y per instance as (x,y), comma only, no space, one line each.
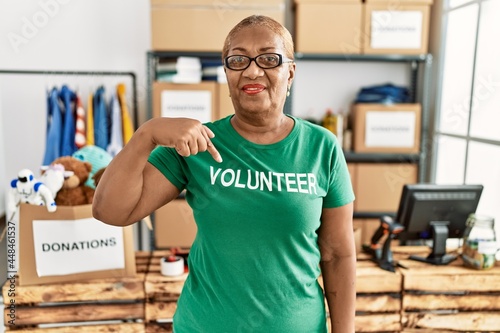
(3,179)
(68,35)
(109,35)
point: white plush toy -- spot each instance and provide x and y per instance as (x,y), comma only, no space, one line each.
(53,177)
(26,189)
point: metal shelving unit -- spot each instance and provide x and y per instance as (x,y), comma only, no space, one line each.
(420,72)
(420,69)
(153,59)
(419,66)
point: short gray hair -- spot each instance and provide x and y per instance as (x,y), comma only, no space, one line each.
(261,21)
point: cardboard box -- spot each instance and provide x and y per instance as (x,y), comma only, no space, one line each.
(379,185)
(225,105)
(198,101)
(202,25)
(328,26)
(380,128)
(357,240)
(367,228)
(351,167)
(50,242)
(396,27)
(174,225)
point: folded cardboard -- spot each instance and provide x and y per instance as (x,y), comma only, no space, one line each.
(328,26)
(351,167)
(380,128)
(367,228)
(28,270)
(357,239)
(174,225)
(396,27)
(379,185)
(202,25)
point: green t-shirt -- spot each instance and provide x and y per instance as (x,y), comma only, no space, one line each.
(254,263)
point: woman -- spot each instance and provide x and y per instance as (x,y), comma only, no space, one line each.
(271,197)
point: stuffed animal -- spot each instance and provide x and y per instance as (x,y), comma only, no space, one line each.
(97,176)
(53,177)
(98,157)
(74,191)
(26,189)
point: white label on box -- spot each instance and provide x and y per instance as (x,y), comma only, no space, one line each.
(76,246)
(194,104)
(390,129)
(396,29)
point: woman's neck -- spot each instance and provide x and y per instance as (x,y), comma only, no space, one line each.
(263,131)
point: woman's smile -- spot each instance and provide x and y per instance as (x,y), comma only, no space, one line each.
(253,89)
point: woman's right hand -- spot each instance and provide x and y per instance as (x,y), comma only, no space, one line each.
(187,136)
(131,188)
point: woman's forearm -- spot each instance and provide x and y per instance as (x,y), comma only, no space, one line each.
(339,278)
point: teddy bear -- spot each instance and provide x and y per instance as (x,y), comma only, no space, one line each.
(98,157)
(97,176)
(74,191)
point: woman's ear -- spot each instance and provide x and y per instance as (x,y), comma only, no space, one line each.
(291,73)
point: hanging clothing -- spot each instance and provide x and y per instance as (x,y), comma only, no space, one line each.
(384,94)
(128,127)
(54,128)
(100,120)
(68,146)
(90,120)
(80,138)
(116,135)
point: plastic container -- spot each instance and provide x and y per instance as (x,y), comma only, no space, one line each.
(334,122)
(480,245)
(172,266)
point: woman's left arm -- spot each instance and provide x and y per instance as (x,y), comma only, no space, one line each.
(338,266)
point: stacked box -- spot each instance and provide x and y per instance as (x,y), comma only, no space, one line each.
(202,25)
(396,27)
(379,185)
(380,128)
(225,105)
(197,101)
(174,225)
(205,101)
(328,26)
(362,27)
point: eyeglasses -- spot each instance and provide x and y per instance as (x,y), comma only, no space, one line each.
(264,61)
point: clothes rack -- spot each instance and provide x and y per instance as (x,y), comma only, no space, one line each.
(91,73)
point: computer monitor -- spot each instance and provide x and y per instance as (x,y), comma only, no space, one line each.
(436,212)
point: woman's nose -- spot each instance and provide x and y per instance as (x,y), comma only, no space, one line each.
(253,71)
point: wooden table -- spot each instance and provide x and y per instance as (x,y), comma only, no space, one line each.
(420,298)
